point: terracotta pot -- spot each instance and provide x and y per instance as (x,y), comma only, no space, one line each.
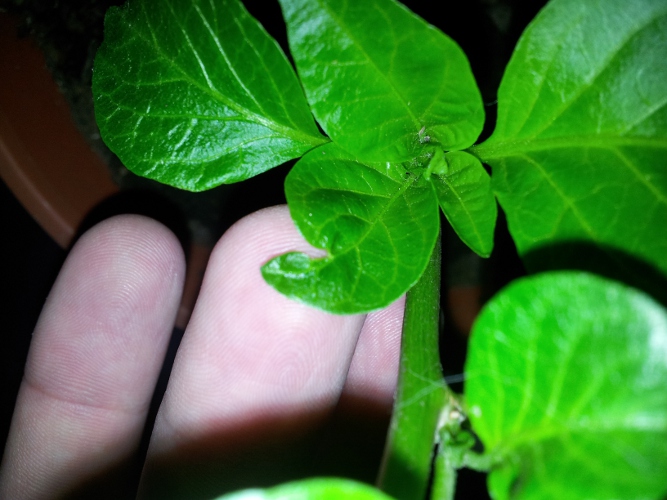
(44,159)
(47,163)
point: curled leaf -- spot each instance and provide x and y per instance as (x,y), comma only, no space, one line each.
(379,232)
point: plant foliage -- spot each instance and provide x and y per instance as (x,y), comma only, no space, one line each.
(194,94)
(579,153)
(311,489)
(566,370)
(392,160)
(566,389)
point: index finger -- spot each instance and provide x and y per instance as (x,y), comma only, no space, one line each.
(256,376)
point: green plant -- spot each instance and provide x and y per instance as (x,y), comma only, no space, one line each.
(566,370)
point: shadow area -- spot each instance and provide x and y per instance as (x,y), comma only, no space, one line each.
(605,261)
(146,202)
(345,441)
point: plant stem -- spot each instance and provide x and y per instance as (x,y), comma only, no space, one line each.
(421,391)
(444,477)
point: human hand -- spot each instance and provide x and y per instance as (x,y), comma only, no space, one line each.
(260,387)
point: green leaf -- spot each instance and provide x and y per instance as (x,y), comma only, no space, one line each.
(565,383)
(580,148)
(464,192)
(380,80)
(312,489)
(195,94)
(378,230)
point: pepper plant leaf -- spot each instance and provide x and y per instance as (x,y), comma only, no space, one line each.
(464,192)
(579,152)
(565,385)
(378,230)
(311,489)
(366,199)
(195,94)
(380,80)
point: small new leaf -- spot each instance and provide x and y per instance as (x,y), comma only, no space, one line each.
(464,192)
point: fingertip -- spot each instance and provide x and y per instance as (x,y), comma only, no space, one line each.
(122,278)
(373,372)
(249,352)
(94,358)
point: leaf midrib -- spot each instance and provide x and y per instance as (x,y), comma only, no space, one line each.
(385,77)
(599,71)
(531,437)
(613,144)
(495,150)
(390,200)
(471,219)
(355,248)
(294,134)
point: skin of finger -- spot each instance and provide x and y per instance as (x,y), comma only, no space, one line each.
(353,440)
(254,367)
(94,358)
(248,350)
(373,372)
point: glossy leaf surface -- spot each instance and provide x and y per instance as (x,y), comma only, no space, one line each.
(378,230)
(195,94)
(464,192)
(376,75)
(312,489)
(580,148)
(565,383)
